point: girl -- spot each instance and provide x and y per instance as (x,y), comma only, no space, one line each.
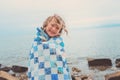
(47,57)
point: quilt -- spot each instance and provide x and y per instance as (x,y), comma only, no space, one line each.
(47,60)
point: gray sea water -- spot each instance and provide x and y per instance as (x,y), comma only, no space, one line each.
(80,44)
(98,42)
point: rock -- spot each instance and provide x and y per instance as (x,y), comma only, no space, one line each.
(113,76)
(100,64)
(73,78)
(19,69)
(82,77)
(13,73)
(86,77)
(77,78)
(0,65)
(5,76)
(117,63)
(2,78)
(117,60)
(76,75)
(75,71)
(23,76)
(6,69)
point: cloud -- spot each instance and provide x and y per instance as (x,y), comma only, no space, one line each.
(88,22)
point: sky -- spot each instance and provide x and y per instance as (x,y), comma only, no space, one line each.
(27,14)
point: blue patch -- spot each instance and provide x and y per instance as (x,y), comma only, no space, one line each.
(54,77)
(35,48)
(60,70)
(36,60)
(32,78)
(47,71)
(62,50)
(62,44)
(59,58)
(45,46)
(41,65)
(66,77)
(31,55)
(52,51)
(29,74)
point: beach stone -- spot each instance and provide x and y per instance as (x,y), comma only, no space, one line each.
(13,73)
(117,63)
(6,69)
(73,78)
(82,77)
(117,60)
(100,64)
(1,78)
(75,71)
(6,76)
(113,76)
(86,77)
(22,76)
(78,78)
(77,75)
(19,69)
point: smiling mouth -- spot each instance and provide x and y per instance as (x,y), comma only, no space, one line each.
(52,32)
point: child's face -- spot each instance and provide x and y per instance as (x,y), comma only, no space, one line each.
(53,29)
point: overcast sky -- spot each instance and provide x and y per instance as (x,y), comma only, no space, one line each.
(76,13)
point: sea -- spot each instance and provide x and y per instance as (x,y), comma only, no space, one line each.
(80,44)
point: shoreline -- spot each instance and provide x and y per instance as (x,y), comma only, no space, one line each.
(79,68)
(98,69)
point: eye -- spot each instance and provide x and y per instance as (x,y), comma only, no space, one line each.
(57,27)
(52,25)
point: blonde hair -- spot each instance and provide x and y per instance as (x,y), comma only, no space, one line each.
(58,20)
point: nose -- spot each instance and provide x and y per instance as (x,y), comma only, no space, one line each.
(53,28)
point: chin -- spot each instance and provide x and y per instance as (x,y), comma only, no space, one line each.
(51,36)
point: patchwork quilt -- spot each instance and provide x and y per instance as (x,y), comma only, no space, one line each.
(47,58)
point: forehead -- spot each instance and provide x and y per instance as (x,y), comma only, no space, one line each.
(55,22)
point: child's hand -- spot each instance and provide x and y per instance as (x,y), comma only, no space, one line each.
(42,34)
(43,39)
